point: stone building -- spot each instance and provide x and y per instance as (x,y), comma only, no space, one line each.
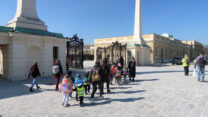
(163,47)
(26,40)
(88,52)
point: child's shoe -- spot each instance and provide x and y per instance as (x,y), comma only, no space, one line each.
(81,104)
(67,105)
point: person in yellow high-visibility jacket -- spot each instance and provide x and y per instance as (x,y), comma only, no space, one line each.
(186,63)
(80,92)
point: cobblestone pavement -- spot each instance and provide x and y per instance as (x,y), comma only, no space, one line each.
(159,91)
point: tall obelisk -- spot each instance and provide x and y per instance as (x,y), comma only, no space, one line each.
(138,23)
(26,16)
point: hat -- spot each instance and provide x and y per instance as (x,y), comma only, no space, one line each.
(79,83)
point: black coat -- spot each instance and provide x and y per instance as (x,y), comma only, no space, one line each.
(105,73)
(132,69)
(34,71)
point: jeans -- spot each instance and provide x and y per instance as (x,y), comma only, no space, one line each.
(66,98)
(200,71)
(35,82)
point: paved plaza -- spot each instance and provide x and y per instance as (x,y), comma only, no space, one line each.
(159,91)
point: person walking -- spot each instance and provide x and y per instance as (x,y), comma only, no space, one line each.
(118,74)
(80,91)
(199,64)
(57,72)
(121,61)
(105,76)
(112,73)
(66,88)
(186,63)
(77,78)
(96,79)
(34,72)
(132,69)
(86,83)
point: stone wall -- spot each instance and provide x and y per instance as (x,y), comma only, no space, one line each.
(163,49)
(25,49)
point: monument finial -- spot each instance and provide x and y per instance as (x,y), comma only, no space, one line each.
(26,16)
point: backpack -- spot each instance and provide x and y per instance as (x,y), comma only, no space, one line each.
(188,61)
(112,70)
(95,75)
(201,62)
(118,73)
(65,87)
(56,70)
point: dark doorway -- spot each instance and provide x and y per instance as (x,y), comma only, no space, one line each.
(55,53)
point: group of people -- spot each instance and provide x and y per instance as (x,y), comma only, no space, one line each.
(199,66)
(100,74)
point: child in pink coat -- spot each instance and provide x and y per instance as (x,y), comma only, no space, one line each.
(66,88)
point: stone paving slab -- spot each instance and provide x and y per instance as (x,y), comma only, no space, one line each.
(159,91)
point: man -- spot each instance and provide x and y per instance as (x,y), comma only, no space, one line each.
(105,76)
(186,63)
(199,64)
(96,79)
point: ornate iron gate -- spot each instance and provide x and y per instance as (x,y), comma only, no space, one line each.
(112,53)
(75,56)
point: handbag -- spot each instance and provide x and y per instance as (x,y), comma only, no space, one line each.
(194,73)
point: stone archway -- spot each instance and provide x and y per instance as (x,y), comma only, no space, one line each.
(34,55)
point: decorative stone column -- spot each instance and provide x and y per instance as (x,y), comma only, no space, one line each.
(140,50)
(26,16)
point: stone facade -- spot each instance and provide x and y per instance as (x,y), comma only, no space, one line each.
(88,50)
(163,49)
(21,50)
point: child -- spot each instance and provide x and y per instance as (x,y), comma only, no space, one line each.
(118,73)
(72,82)
(66,88)
(112,73)
(80,91)
(125,75)
(86,83)
(77,78)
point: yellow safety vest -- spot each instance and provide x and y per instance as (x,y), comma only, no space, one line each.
(80,91)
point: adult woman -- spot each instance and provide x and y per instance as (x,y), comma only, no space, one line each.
(34,72)
(57,72)
(132,69)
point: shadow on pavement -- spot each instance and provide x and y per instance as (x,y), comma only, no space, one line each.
(108,101)
(128,92)
(156,72)
(143,80)
(120,87)
(10,89)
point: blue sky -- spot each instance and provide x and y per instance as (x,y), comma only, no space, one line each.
(90,19)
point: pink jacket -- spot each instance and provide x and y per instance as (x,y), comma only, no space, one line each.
(70,85)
